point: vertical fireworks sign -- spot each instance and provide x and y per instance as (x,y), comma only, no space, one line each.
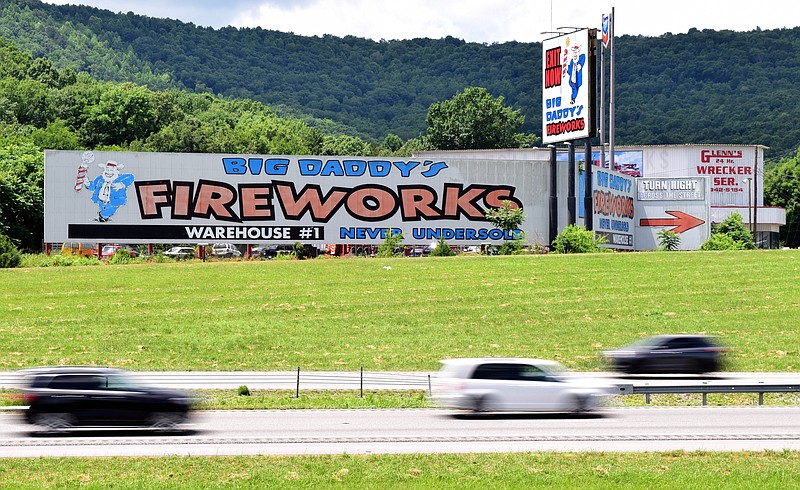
(568,92)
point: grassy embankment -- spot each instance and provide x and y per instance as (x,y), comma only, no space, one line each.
(397,314)
(673,470)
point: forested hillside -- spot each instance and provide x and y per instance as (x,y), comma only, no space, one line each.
(701,87)
(78,77)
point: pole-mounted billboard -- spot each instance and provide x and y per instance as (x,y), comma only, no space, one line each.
(568,92)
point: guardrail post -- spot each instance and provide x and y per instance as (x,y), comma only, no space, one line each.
(705,398)
(430,392)
(297,392)
(647,398)
(761,398)
(362,381)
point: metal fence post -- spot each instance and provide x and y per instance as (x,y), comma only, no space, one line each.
(362,381)
(297,392)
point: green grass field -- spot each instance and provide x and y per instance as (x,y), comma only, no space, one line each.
(398,314)
(673,470)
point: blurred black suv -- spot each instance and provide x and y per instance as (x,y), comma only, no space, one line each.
(62,398)
(661,354)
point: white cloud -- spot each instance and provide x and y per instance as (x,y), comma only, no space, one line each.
(472,20)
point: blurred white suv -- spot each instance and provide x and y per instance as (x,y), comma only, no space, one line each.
(515,385)
(227,250)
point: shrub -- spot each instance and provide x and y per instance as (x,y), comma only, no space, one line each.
(57,260)
(9,255)
(244,390)
(512,247)
(299,251)
(442,249)
(669,240)
(576,239)
(121,256)
(391,245)
(721,241)
(733,226)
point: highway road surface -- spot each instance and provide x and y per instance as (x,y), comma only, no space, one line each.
(427,431)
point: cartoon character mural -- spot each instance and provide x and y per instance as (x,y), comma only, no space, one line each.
(109,189)
(575,71)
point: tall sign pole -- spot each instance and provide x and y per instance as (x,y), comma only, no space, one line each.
(605,29)
(611,94)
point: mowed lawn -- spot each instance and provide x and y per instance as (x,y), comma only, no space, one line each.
(400,314)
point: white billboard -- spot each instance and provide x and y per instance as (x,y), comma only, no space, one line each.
(613,208)
(133,197)
(676,204)
(568,86)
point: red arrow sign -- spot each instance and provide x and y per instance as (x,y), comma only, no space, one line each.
(681,221)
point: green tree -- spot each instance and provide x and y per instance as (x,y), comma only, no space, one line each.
(442,249)
(124,113)
(56,136)
(9,255)
(473,119)
(21,194)
(345,145)
(30,101)
(669,240)
(733,226)
(391,244)
(782,188)
(392,142)
(508,217)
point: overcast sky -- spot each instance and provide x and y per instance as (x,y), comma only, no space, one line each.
(471,20)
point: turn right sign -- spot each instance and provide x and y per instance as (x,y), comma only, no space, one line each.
(675,204)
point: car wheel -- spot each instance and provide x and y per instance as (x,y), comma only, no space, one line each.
(54,423)
(482,404)
(165,421)
(578,404)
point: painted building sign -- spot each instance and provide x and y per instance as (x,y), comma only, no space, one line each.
(612,202)
(613,206)
(671,189)
(729,170)
(568,87)
(676,204)
(196,198)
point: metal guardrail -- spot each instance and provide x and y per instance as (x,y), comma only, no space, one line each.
(361,380)
(647,390)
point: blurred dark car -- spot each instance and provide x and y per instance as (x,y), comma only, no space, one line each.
(661,354)
(62,398)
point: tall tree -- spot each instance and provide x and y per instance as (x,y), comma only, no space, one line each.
(782,188)
(472,120)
